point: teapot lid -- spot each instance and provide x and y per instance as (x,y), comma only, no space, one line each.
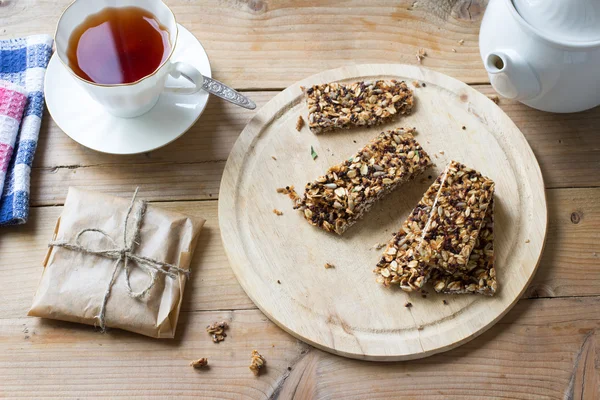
(566,20)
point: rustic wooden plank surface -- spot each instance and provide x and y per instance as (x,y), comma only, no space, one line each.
(256,44)
(543,349)
(570,265)
(567,147)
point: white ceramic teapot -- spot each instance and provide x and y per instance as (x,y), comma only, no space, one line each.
(544,53)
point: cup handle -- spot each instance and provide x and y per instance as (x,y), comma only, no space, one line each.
(183,69)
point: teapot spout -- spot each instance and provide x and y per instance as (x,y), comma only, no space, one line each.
(511,76)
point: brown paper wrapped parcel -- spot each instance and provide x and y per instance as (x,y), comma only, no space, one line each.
(118,263)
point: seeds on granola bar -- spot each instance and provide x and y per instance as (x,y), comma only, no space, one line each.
(217,331)
(481,275)
(440,232)
(200,363)
(456,218)
(257,362)
(335,202)
(346,105)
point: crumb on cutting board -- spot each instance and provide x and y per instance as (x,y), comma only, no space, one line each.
(421,54)
(299,123)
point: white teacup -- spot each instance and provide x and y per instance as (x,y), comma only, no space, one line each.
(136,98)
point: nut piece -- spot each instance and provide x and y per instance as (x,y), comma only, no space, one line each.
(217,331)
(257,362)
(299,123)
(346,105)
(200,363)
(335,202)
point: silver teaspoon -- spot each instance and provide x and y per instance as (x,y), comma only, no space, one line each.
(225,92)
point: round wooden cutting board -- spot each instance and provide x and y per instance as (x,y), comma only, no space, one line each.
(279,260)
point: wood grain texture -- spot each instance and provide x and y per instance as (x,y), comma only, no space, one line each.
(281,274)
(265,43)
(543,349)
(570,264)
(567,147)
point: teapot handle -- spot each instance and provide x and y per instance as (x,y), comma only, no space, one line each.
(511,76)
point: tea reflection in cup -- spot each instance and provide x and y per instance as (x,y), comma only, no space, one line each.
(122,56)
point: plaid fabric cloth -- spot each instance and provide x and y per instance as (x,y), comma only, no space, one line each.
(23,62)
(12,104)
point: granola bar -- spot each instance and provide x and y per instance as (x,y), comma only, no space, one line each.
(456,218)
(346,105)
(481,277)
(398,264)
(334,202)
(440,232)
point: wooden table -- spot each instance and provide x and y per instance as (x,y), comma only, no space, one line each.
(544,348)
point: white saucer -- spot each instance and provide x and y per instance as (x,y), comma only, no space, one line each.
(86,121)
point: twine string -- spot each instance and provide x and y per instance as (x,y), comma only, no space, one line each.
(124,255)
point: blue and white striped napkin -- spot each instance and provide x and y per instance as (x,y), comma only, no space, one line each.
(23,62)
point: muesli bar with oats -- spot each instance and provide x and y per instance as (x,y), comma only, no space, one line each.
(335,201)
(346,105)
(456,218)
(481,277)
(398,264)
(441,231)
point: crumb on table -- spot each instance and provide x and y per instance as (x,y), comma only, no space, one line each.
(217,331)
(257,362)
(199,363)
(277,212)
(328,265)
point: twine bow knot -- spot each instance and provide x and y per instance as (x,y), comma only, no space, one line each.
(124,254)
